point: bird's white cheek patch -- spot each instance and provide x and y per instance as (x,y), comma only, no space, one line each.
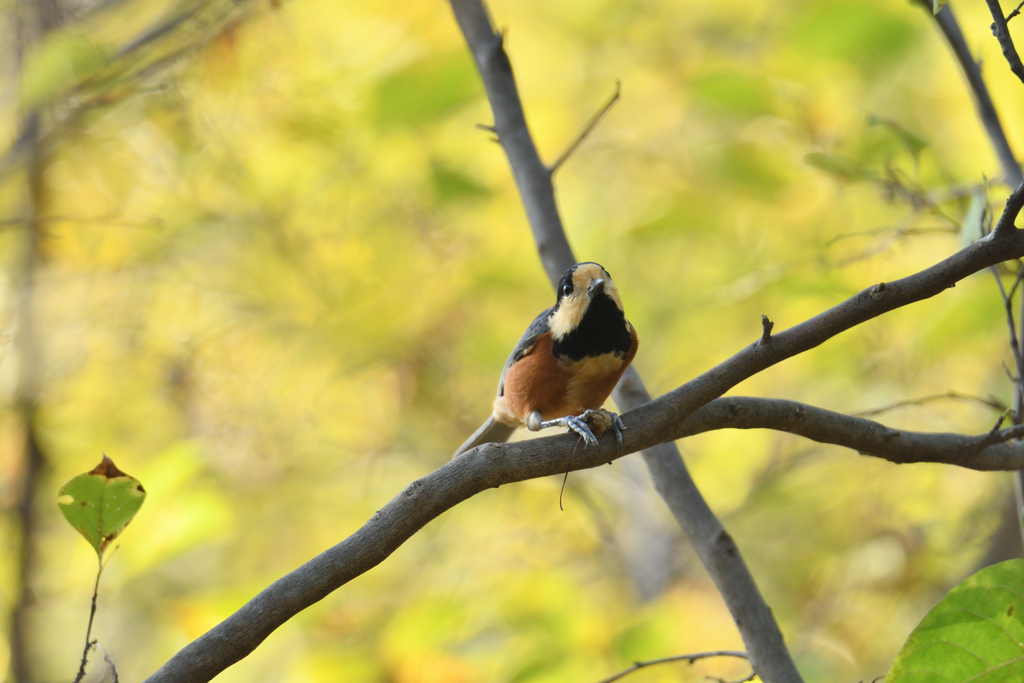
(568,316)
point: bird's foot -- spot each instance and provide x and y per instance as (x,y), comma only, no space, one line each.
(602,420)
(572,424)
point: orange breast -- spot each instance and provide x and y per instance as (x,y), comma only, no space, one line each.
(536,382)
(540,382)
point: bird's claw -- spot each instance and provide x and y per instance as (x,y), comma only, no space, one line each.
(580,426)
(618,427)
(606,420)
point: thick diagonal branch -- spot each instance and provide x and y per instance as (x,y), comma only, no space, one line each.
(492,465)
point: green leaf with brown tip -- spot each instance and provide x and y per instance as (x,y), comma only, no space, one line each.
(101,503)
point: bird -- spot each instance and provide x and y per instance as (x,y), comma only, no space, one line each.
(566,363)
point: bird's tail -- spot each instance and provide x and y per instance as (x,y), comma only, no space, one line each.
(490,431)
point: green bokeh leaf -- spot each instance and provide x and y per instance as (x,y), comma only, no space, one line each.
(971,227)
(856,32)
(733,93)
(452,185)
(57,65)
(840,167)
(101,503)
(427,90)
(913,143)
(975,633)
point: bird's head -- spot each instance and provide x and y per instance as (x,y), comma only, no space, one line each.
(580,285)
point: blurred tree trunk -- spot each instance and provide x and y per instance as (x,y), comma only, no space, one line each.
(35,18)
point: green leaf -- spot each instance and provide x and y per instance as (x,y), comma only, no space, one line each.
(57,65)
(101,503)
(975,633)
(451,184)
(840,167)
(733,93)
(913,143)
(866,35)
(427,90)
(971,227)
(937,5)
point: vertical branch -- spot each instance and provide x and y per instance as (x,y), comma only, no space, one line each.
(35,18)
(982,100)
(532,177)
(716,549)
(1002,34)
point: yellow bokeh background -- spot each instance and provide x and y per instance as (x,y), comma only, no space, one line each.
(283,271)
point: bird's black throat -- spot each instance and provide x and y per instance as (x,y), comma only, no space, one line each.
(602,330)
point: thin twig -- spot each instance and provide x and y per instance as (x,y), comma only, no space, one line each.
(1014,204)
(1009,373)
(998,436)
(1002,34)
(1010,323)
(749,677)
(1016,282)
(1015,12)
(990,402)
(691,658)
(895,231)
(586,129)
(88,629)
(766,330)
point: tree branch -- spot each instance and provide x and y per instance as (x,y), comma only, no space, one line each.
(1002,34)
(982,100)
(984,452)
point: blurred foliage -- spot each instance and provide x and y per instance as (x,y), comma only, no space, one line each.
(283,270)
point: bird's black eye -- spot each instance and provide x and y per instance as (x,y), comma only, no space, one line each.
(567,289)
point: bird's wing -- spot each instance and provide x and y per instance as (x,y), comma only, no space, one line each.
(538,327)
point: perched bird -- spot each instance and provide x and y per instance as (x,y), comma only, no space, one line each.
(566,364)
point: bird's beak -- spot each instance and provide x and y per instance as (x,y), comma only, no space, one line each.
(595,288)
